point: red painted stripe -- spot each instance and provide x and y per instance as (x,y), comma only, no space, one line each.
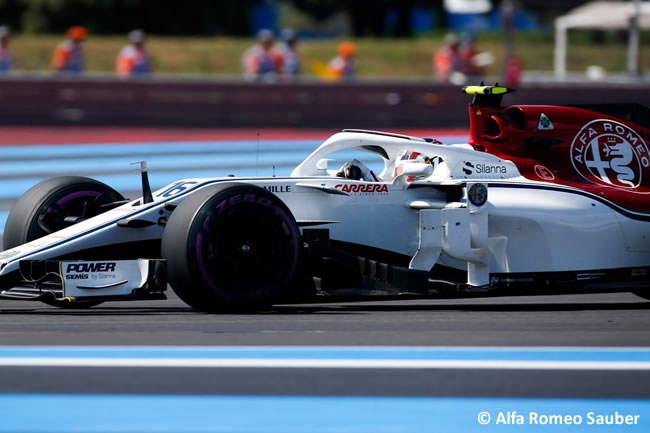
(38,135)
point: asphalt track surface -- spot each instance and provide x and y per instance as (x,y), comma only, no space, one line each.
(606,320)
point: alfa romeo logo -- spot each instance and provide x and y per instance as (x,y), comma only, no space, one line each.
(477,194)
(610,153)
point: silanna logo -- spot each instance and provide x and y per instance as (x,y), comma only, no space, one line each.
(470,168)
(610,153)
(368,188)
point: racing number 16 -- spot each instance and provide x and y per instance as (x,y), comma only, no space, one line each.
(176,188)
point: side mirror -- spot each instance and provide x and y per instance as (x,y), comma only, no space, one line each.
(417,169)
(322,163)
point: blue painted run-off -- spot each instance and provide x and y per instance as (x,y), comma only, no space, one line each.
(333,353)
(22,413)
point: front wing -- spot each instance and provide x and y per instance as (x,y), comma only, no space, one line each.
(73,281)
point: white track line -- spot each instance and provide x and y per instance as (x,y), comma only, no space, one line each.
(322,363)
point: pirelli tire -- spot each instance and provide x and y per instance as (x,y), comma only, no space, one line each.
(231,247)
(43,210)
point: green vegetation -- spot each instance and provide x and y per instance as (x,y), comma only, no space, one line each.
(396,58)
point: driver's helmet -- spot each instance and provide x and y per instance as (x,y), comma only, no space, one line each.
(356,170)
(411,156)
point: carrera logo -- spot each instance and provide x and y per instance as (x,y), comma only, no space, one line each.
(91,267)
(369,188)
(610,153)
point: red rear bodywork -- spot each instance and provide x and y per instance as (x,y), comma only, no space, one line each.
(580,147)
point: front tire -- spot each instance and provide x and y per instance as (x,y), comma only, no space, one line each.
(230,247)
(44,207)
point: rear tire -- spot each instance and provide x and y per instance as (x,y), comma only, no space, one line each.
(230,247)
(43,208)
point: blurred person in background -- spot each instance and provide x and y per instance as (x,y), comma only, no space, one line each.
(344,66)
(288,48)
(468,51)
(473,62)
(133,59)
(514,70)
(69,54)
(6,56)
(447,61)
(262,61)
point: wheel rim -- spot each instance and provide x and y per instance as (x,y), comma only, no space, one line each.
(246,251)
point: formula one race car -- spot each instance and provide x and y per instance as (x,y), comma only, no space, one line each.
(543,199)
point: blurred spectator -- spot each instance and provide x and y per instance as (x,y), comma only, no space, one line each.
(471,65)
(288,48)
(261,61)
(69,54)
(447,60)
(6,56)
(344,66)
(514,69)
(133,59)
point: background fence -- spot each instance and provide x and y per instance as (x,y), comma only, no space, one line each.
(204,103)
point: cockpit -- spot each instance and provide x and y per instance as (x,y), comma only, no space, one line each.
(373,157)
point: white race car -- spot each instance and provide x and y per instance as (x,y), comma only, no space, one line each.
(542,200)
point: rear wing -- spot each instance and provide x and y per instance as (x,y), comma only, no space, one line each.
(487,96)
